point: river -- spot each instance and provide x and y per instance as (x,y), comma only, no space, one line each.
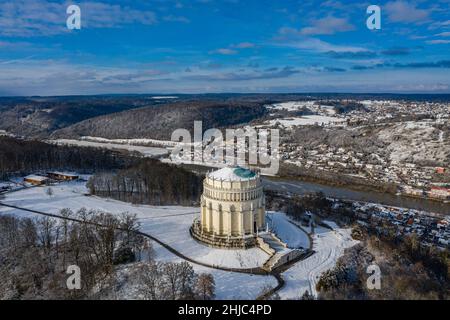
(301,187)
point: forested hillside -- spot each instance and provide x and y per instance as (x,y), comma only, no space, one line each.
(38,117)
(23,156)
(159,122)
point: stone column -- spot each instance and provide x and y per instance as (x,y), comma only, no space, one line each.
(251,217)
(210,220)
(241,220)
(221,218)
(230,227)
(203,217)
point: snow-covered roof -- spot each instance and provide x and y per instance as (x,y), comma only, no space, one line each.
(233,174)
(36,178)
(67,174)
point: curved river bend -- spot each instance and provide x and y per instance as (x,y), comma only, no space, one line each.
(301,187)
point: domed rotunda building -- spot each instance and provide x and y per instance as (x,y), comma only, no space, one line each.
(232,209)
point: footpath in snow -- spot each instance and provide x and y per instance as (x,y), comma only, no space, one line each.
(328,245)
(171,225)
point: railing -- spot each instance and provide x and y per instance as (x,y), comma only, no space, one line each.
(208,190)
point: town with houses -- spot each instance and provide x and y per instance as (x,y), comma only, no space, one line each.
(431,230)
(387,121)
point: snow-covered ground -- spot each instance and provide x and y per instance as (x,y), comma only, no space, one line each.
(146,151)
(6,184)
(328,245)
(286,231)
(171,225)
(323,114)
(292,105)
(229,285)
(306,120)
(298,105)
(168,223)
(11,185)
(163,143)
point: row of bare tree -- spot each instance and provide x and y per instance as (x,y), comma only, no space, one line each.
(35,254)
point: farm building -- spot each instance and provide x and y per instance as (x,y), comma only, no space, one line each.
(62,176)
(36,180)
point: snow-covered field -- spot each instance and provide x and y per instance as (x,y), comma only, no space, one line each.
(146,151)
(323,114)
(292,105)
(171,225)
(298,105)
(11,185)
(328,245)
(306,121)
(162,143)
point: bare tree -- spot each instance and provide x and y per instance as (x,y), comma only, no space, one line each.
(151,281)
(179,278)
(46,226)
(49,192)
(65,213)
(205,286)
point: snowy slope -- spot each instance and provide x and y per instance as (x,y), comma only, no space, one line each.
(329,246)
(229,285)
(290,234)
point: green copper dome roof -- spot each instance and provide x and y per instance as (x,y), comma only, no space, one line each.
(244,173)
(233,174)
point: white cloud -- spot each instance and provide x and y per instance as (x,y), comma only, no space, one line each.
(438,41)
(290,37)
(443,34)
(328,25)
(244,45)
(172,18)
(224,51)
(405,12)
(28,18)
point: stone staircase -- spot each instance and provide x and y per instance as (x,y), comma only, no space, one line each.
(277,249)
(279,252)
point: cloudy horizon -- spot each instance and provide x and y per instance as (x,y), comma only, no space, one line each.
(212,46)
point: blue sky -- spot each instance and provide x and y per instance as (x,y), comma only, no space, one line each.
(201,46)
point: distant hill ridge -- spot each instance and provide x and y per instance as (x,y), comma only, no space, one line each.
(158,122)
(40,116)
